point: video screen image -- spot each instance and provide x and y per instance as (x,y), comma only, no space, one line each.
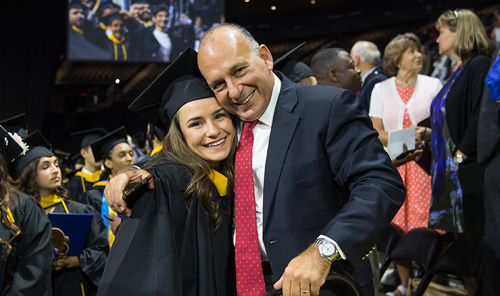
(138,30)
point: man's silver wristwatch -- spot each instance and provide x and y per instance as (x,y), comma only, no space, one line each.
(459,158)
(327,249)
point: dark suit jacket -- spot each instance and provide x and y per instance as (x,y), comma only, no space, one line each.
(366,90)
(326,173)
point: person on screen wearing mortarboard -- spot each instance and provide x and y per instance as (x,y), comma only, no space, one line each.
(40,177)
(25,232)
(185,222)
(140,14)
(114,152)
(118,46)
(91,172)
(80,44)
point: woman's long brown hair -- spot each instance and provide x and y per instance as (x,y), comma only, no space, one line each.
(8,194)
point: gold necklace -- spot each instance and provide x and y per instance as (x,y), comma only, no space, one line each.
(406,84)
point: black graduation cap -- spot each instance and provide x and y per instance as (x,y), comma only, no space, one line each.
(38,146)
(294,70)
(102,146)
(9,148)
(89,136)
(111,17)
(16,124)
(179,84)
(75,4)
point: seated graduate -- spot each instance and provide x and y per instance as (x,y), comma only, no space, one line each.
(178,239)
(115,153)
(25,233)
(40,176)
(91,172)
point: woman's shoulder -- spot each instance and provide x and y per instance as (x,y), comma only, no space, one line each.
(76,207)
(428,81)
(479,62)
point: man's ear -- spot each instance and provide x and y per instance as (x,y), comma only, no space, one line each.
(265,54)
(333,76)
(357,61)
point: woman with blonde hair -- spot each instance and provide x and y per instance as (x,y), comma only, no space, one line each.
(457,178)
(400,102)
(457,205)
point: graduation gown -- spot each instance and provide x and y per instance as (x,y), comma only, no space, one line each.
(81,183)
(27,269)
(168,246)
(69,281)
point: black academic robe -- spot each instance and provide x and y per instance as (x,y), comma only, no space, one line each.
(69,281)
(93,196)
(78,185)
(26,271)
(169,246)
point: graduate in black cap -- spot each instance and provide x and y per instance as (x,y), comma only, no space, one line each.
(91,171)
(178,239)
(116,43)
(40,177)
(17,127)
(114,152)
(25,233)
(294,70)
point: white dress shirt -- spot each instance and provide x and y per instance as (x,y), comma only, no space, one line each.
(262,133)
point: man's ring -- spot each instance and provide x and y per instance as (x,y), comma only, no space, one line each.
(304,291)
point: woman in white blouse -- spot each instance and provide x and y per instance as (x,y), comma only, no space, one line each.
(399,102)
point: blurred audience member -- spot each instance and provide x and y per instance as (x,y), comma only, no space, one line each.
(334,66)
(366,57)
(457,178)
(400,102)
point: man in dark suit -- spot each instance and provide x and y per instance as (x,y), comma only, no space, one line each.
(329,183)
(366,57)
(324,170)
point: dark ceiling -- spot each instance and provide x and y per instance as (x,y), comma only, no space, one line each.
(325,23)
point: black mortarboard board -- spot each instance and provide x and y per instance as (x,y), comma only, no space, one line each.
(111,17)
(38,146)
(102,146)
(106,5)
(179,84)
(75,4)
(16,124)
(89,136)
(294,70)
(8,146)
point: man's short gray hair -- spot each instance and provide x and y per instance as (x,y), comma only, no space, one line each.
(367,51)
(252,43)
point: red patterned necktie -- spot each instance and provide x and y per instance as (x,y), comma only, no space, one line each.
(249,278)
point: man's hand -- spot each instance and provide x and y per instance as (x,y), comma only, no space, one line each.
(306,272)
(114,190)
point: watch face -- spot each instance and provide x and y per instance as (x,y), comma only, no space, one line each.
(328,249)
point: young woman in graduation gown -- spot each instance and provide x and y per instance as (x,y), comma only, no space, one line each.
(177,240)
(25,234)
(40,176)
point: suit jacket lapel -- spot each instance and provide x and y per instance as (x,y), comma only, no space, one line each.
(283,128)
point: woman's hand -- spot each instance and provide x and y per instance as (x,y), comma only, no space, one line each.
(66,262)
(422,134)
